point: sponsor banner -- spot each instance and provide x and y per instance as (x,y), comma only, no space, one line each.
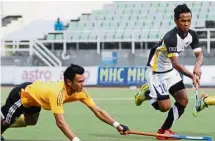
(121,76)
(207,78)
(17,75)
(106,76)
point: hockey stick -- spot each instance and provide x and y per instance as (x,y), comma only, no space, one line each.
(170,136)
(196,102)
(196,96)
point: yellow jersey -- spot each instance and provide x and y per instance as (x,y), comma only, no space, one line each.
(52,96)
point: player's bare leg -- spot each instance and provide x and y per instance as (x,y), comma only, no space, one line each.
(174,113)
(31,119)
(26,120)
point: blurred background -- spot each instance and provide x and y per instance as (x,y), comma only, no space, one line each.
(112,39)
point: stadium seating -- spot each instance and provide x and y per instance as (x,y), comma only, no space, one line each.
(144,21)
(137,16)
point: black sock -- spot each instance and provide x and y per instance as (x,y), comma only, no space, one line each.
(148,97)
(155,105)
(4,127)
(170,118)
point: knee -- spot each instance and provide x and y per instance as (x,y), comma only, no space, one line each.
(164,108)
(32,121)
(183,102)
(164,105)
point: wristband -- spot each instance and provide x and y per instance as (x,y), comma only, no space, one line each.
(116,124)
(76,139)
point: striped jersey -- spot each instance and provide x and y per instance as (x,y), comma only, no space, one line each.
(172,44)
(52,96)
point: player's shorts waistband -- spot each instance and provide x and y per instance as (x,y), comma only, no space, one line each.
(155,72)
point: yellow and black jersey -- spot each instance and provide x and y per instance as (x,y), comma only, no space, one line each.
(173,43)
(52,96)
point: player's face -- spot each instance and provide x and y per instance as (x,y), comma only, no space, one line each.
(184,21)
(78,82)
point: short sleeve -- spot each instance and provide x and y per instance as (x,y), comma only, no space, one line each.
(195,42)
(56,102)
(171,46)
(86,99)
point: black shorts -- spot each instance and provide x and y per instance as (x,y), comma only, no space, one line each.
(13,107)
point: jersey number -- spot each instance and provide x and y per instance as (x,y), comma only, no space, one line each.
(163,88)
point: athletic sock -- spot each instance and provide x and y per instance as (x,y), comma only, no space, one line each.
(4,126)
(147,95)
(174,114)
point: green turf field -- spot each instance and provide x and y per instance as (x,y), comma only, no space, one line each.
(119,103)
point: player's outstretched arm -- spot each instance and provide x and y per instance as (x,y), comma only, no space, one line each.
(105,117)
(183,70)
(64,127)
(199,61)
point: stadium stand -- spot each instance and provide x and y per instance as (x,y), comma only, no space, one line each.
(117,26)
(136,16)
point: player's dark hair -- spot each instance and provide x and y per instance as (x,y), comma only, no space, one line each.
(71,71)
(181,9)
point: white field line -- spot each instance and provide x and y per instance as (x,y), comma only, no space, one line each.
(116,98)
